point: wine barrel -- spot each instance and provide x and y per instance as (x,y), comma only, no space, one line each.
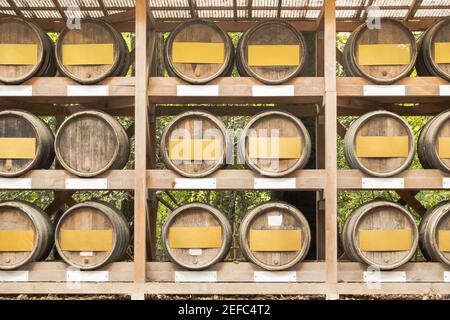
(275,143)
(382,234)
(433,146)
(199,51)
(275,236)
(91,142)
(26,51)
(380,144)
(434,233)
(196,236)
(195,144)
(271,51)
(26,143)
(434,47)
(92,53)
(92,234)
(383,55)
(26,234)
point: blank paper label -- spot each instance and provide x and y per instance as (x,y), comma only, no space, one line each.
(446,183)
(87,91)
(195,276)
(444,90)
(274,183)
(273,91)
(86,184)
(383,183)
(16,91)
(384,276)
(275,276)
(197,91)
(275,221)
(446,276)
(393,90)
(195,184)
(195,252)
(87,276)
(13,276)
(15,183)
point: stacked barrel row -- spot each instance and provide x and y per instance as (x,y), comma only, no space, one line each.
(199,51)
(87,143)
(87,236)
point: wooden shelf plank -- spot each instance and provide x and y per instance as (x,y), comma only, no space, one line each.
(56,179)
(419,179)
(235,90)
(230,179)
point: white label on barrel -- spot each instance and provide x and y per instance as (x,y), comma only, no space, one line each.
(275,276)
(273,91)
(86,254)
(197,91)
(446,183)
(16,91)
(446,276)
(384,276)
(15,183)
(275,221)
(383,183)
(13,276)
(195,276)
(195,252)
(195,184)
(274,183)
(392,90)
(444,90)
(86,276)
(86,184)
(88,91)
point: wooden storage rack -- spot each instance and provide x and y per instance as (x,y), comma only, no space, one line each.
(323,96)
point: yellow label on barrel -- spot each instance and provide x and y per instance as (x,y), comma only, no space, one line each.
(444,147)
(195,237)
(16,240)
(275,240)
(385,240)
(18,54)
(442,52)
(274,147)
(384,54)
(87,54)
(86,240)
(273,55)
(198,52)
(444,240)
(17,148)
(197,149)
(382,146)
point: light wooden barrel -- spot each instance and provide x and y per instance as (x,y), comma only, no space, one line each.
(26,143)
(433,146)
(196,236)
(434,233)
(89,143)
(92,53)
(199,51)
(92,234)
(26,234)
(275,143)
(382,55)
(25,51)
(434,45)
(272,52)
(195,144)
(382,234)
(380,144)
(275,236)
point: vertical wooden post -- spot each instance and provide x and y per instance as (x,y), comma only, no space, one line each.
(141,124)
(330,147)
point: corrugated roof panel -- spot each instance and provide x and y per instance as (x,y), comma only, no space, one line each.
(265,3)
(242,13)
(172,14)
(347,14)
(34,3)
(9,12)
(41,14)
(292,14)
(215,14)
(168,3)
(79,3)
(214,3)
(432,13)
(387,3)
(435,2)
(264,13)
(350,3)
(400,13)
(119,3)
